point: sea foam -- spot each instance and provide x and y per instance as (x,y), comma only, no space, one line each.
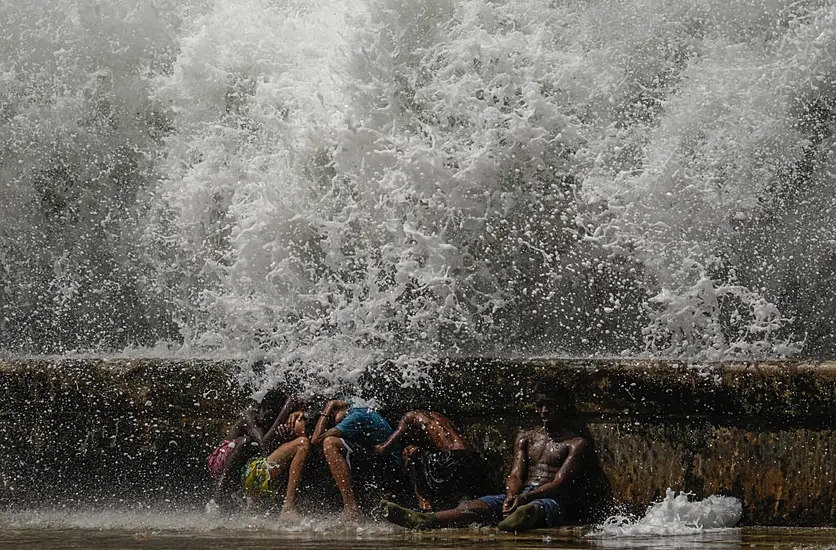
(677,514)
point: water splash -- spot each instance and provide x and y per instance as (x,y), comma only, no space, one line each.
(329,185)
(154,521)
(675,515)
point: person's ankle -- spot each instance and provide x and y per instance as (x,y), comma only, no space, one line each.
(404,517)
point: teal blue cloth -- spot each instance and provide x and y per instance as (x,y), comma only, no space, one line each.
(367,428)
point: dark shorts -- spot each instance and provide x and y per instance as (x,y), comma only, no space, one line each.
(446,477)
(369,468)
(554,512)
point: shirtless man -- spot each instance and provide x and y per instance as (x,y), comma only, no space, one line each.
(442,466)
(546,462)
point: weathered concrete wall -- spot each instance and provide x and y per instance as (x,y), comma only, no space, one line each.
(139,430)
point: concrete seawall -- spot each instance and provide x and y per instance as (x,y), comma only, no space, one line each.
(134,432)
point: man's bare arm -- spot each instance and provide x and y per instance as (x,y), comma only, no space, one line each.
(280,430)
(568,471)
(250,426)
(514,481)
(324,426)
(331,432)
(408,420)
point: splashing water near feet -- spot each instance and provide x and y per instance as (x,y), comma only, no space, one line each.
(675,515)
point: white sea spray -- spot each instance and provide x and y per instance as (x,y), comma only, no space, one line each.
(326,186)
(676,514)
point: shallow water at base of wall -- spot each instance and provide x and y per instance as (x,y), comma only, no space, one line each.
(148,530)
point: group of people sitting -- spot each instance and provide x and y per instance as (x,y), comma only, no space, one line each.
(268,447)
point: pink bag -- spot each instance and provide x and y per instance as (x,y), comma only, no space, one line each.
(219,457)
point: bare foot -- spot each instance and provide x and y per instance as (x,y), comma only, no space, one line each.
(290,515)
(523,518)
(405,517)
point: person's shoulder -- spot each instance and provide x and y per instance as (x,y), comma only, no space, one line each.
(578,442)
(528,435)
(421,417)
(566,438)
(437,416)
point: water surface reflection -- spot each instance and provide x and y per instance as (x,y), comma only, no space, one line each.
(110,530)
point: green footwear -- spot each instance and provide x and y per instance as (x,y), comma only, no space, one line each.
(406,518)
(524,518)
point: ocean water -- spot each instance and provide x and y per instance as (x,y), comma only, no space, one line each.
(325,186)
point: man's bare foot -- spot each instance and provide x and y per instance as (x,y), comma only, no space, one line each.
(523,518)
(405,517)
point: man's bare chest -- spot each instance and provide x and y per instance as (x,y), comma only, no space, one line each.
(546,451)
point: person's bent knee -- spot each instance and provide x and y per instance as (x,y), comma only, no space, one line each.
(332,443)
(303,442)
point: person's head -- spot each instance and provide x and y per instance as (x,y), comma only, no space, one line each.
(553,403)
(271,404)
(340,413)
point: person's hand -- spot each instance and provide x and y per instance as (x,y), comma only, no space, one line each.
(512,502)
(294,418)
(296,422)
(378,449)
(285,432)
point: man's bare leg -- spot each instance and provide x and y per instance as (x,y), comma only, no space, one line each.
(335,453)
(464,514)
(526,517)
(423,503)
(295,454)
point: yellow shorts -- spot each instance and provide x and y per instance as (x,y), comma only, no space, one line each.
(255,477)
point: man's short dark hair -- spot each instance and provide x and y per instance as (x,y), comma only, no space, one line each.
(551,388)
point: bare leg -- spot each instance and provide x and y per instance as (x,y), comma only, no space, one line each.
(526,517)
(294,453)
(231,477)
(335,453)
(464,514)
(297,466)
